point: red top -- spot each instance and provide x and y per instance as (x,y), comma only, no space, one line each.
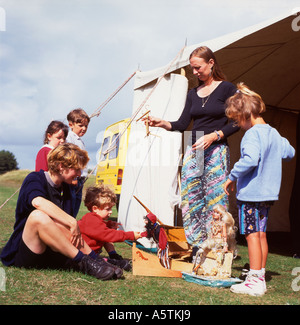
(96,232)
(41,158)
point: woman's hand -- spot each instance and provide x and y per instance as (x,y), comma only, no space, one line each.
(76,238)
(157,122)
(205,141)
(153,121)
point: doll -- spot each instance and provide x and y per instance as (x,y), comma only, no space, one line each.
(155,231)
(221,237)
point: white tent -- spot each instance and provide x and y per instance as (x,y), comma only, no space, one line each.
(152,161)
(266,58)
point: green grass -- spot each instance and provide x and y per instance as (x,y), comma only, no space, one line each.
(53,287)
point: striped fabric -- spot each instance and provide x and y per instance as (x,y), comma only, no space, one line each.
(203,178)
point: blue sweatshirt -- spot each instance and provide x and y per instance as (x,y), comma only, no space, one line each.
(258,171)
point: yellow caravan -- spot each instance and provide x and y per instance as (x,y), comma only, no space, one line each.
(112,163)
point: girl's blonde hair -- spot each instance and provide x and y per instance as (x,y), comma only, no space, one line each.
(67,155)
(243,103)
(99,196)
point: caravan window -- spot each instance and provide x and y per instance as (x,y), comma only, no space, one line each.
(114,153)
(104,148)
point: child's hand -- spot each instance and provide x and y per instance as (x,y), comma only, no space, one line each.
(137,235)
(229,185)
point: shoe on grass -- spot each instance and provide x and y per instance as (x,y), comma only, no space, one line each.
(96,268)
(123,264)
(117,270)
(253,286)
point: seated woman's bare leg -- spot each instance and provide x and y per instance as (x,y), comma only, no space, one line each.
(41,231)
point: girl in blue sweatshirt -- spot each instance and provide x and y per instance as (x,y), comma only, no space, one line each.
(258,178)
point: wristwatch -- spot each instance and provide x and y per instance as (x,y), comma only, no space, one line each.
(218,135)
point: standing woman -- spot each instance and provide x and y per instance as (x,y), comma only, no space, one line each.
(206,161)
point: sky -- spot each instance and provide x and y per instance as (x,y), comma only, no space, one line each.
(58,55)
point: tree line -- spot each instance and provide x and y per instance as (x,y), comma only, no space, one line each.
(8,161)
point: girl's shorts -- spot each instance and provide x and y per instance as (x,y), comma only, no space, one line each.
(253,216)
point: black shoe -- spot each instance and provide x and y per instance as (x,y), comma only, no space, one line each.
(118,273)
(123,264)
(99,270)
(115,256)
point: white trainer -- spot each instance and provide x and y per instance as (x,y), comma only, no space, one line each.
(264,283)
(253,285)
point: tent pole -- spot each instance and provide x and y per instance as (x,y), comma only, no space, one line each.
(294,201)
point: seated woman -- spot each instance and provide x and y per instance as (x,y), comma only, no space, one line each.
(45,233)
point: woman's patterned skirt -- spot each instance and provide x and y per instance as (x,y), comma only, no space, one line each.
(202,186)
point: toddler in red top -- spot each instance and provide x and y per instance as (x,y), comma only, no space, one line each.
(95,227)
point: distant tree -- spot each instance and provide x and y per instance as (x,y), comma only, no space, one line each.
(8,161)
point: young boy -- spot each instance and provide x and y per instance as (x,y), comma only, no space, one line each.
(97,230)
(258,176)
(78,122)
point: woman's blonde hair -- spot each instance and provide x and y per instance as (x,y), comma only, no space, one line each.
(67,155)
(99,196)
(243,103)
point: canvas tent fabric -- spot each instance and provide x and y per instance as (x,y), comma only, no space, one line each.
(248,54)
(152,161)
(266,58)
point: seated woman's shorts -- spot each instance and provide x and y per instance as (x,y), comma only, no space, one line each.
(49,259)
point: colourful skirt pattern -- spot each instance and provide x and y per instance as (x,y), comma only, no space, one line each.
(203,176)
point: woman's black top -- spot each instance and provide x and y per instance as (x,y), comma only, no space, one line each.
(209,118)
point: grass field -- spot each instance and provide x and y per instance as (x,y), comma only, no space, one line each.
(53,287)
